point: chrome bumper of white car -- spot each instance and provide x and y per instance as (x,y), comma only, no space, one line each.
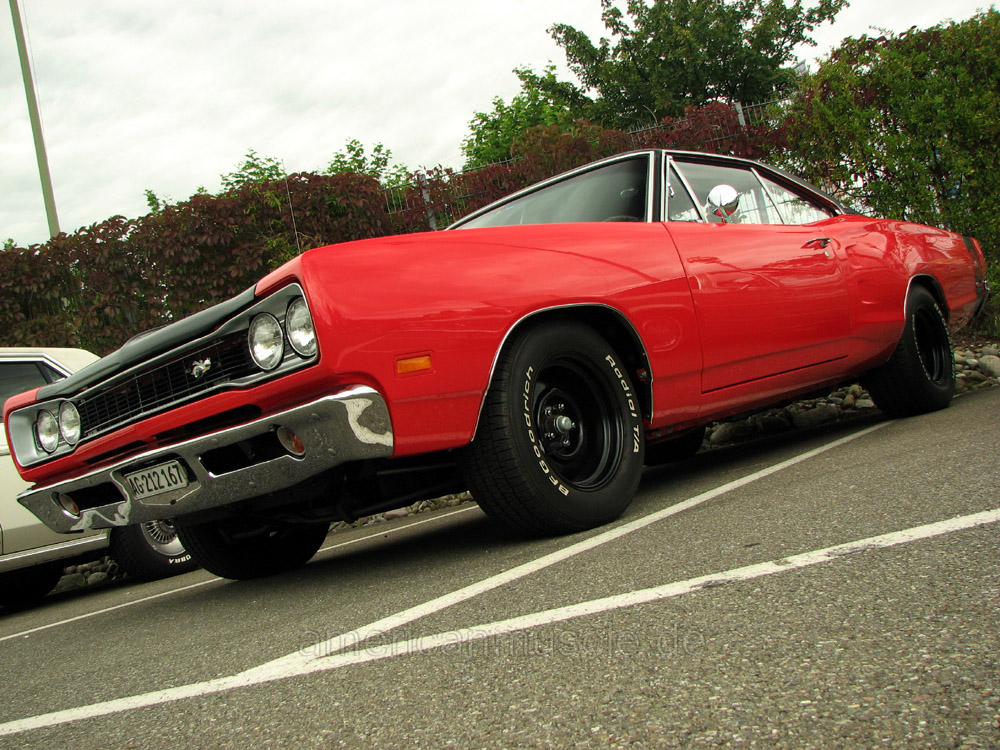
(348,426)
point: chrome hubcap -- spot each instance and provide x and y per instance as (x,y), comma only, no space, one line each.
(162,537)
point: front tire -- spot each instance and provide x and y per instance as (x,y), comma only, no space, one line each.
(242,550)
(919,376)
(150,551)
(559,447)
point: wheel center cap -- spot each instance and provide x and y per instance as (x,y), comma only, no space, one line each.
(564,425)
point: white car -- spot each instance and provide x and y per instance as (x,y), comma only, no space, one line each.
(32,557)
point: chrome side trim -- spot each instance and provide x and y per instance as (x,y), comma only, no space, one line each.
(651,187)
(52,552)
(666,187)
(348,426)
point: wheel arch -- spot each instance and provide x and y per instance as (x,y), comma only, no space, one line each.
(932,285)
(609,323)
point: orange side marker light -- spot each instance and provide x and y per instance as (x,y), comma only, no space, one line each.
(406,365)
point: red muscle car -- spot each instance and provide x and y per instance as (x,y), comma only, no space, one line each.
(534,353)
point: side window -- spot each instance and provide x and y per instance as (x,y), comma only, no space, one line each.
(794,207)
(754,206)
(17,377)
(680,207)
(615,192)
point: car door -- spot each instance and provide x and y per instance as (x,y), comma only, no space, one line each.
(769,296)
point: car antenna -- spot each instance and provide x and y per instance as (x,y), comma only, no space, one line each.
(291,210)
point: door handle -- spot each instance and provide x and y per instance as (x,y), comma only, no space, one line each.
(819,242)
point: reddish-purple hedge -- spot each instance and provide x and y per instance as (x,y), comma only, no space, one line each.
(102,284)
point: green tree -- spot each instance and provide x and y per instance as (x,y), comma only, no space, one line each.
(907,126)
(155,202)
(254,169)
(354,160)
(665,55)
(494,132)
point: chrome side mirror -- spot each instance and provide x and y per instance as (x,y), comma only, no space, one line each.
(724,200)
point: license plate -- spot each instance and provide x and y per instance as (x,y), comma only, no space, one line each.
(157,479)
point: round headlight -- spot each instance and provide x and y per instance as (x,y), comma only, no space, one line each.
(267,343)
(47,430)
(299,324)
(69,422)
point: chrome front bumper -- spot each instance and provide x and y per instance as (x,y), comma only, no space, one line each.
(347,426)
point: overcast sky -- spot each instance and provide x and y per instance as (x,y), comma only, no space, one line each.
(169,94)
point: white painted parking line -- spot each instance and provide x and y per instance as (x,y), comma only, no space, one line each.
(326,654)
(386,624)
(106,610)
(452,638)
(658,593)
(379,532)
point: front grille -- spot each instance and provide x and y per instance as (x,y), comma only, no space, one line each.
(170,382)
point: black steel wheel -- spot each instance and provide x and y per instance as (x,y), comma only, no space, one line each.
(241,550)
(919,376)
(559,444)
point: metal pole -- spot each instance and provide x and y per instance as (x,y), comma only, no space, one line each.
(428,205)
(36,123)
(739,115)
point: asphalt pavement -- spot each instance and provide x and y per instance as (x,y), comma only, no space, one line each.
(836,587)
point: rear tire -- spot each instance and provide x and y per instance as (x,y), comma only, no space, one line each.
(242,550)
(559,446)
(919,376)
